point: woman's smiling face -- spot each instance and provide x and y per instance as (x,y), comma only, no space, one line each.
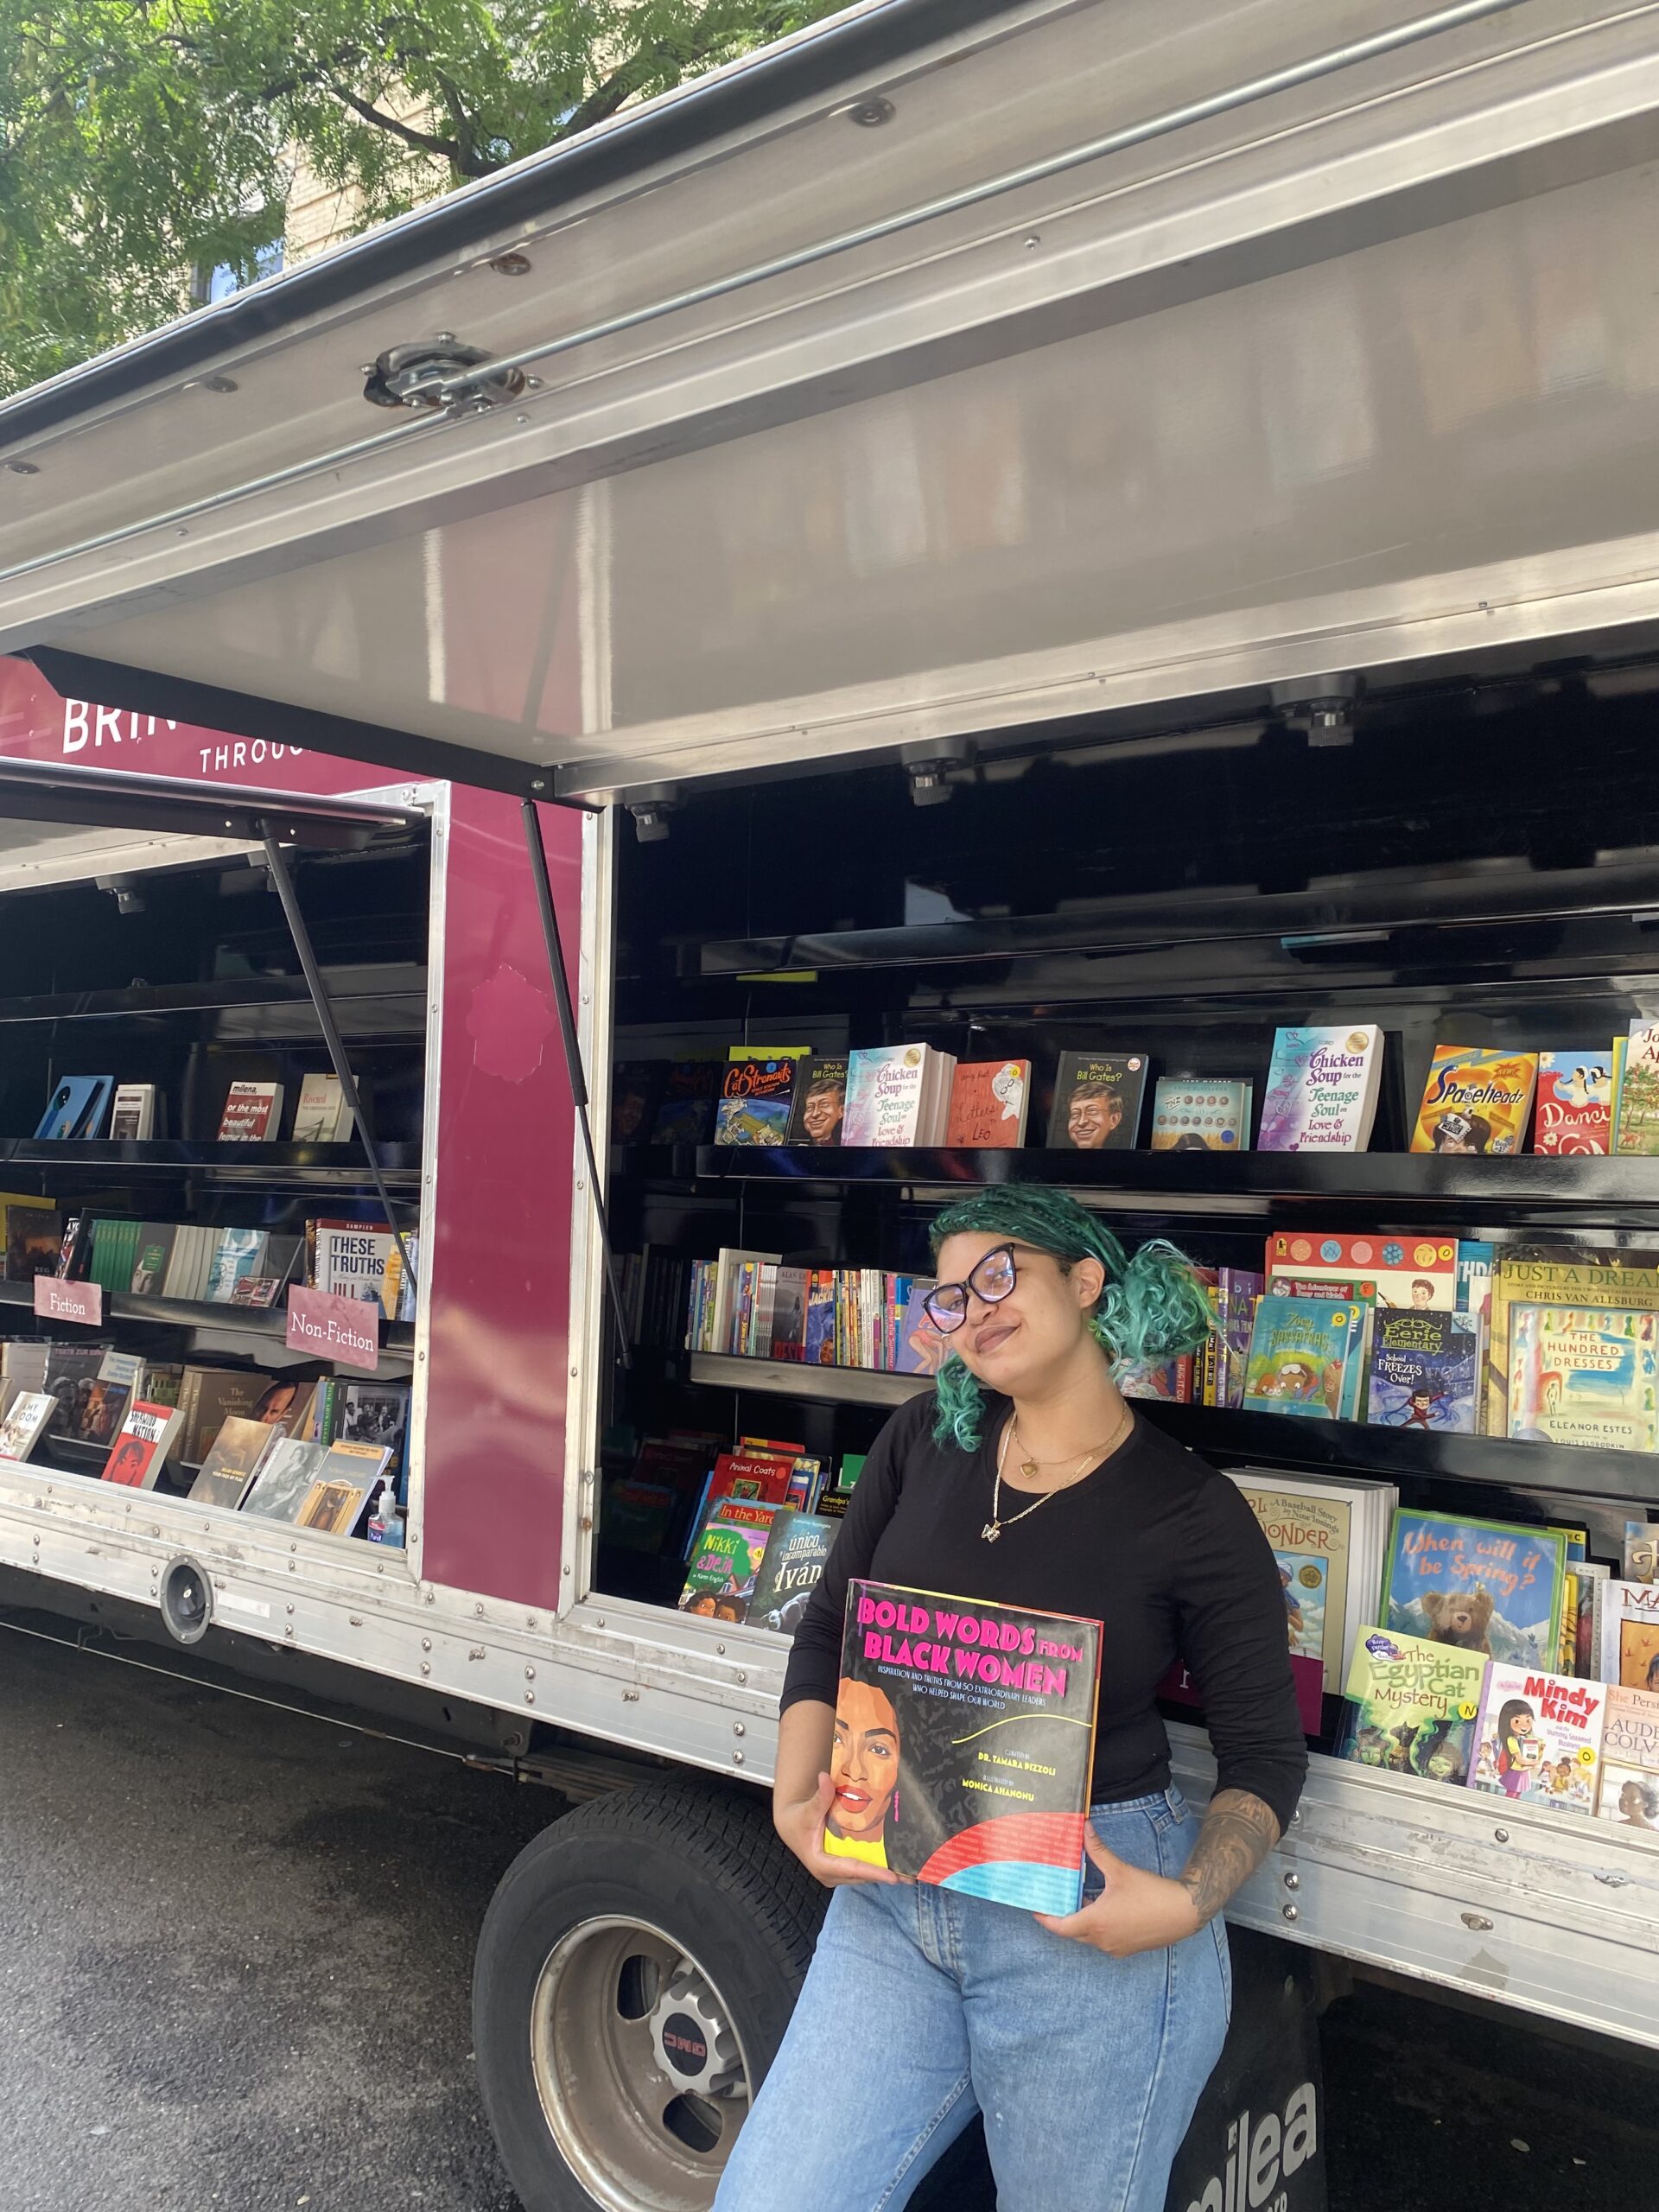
(1032,1330)
(863,1761)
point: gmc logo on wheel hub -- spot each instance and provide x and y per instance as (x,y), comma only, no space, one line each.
(686,2046)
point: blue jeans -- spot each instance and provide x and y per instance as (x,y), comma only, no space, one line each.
(923,2006)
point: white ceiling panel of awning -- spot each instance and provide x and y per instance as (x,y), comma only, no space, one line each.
(1353,372)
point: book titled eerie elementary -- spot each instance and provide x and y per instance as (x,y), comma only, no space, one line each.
(963,1744)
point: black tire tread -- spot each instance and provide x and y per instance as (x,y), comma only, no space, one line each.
(731,1835)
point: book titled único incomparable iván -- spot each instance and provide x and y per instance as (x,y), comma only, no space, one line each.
(963,1744)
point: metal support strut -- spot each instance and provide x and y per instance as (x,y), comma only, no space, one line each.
(573,1057)
(278,869)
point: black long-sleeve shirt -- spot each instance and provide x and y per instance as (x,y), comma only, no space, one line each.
(1154,1544)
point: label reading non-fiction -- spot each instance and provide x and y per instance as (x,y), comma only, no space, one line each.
(332,1328)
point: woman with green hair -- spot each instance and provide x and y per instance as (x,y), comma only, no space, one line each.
(1027,1479)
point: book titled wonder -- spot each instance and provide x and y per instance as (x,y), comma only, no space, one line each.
(963,1744)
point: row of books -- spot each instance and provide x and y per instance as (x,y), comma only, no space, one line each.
(315,1455)
(83,1106)
(1321,1095)
(90,1386)
(201,1262)
(750,1305)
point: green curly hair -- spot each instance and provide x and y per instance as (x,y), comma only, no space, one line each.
(1151,1307)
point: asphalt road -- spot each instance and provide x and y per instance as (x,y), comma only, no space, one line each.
(235,1949)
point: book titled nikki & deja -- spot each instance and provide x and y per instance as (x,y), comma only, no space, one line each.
(964,1744)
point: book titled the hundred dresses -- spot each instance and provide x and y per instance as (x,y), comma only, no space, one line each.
(963,1744)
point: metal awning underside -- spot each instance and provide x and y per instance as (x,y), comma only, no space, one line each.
(62,825)
(953,367)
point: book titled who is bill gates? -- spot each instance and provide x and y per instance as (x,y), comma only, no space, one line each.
(964,1744)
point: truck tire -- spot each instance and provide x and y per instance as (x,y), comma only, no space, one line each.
(635,1972)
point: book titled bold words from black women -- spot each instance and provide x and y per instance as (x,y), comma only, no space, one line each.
(963,1744)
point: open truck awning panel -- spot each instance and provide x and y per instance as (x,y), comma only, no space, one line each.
(1347,374)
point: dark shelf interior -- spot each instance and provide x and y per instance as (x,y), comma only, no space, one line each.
(400,1163)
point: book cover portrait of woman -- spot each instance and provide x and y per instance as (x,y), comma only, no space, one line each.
(1024,1477)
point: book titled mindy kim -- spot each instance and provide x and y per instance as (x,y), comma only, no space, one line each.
(964,1744)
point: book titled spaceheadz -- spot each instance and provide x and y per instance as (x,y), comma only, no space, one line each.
(963,1744)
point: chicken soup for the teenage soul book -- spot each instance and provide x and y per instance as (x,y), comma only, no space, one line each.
(963,1744)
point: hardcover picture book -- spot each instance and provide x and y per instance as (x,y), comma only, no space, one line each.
(1584,1376)
(1302,1358)
(898,1096)
(1329,1538)
(690,1097)
(76,1107)
(285,1479)
(1573,1115)
(1559,1275)
(322,1116)
(1538,1740)
(1491,1587)
(726,1559)
(989,1103)
(252,1113)
(819,1105)
(797,1549)
(233,1461)
(1626,1617)
(28,1416)
(1413,1706)
(1629,1789)
(140,1451)
(756,1094)
(1425,1372)
(1097,1099)
(963,1744)
(1411,1272)
(1211,1114)
(1322,1089)
(1636,1090)
(1475,1101)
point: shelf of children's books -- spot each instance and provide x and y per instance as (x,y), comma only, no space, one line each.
(1227,1437)
(330,1166)
(236,994)
(1427,1184)
(852,1386)
(254,1322)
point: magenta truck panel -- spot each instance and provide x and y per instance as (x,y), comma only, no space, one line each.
(499,1246)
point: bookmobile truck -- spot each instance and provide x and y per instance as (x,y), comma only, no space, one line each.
(1019,528)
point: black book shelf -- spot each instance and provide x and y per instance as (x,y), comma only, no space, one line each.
(1264,1439)
(255,1322)
(328,1165)
(1410,1190)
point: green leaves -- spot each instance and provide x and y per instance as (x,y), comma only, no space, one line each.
(144,141)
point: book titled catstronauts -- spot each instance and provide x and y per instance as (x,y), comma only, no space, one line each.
(963,1744)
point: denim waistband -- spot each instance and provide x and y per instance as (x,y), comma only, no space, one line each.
(1161,1806)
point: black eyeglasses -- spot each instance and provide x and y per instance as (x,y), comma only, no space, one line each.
(991,1278)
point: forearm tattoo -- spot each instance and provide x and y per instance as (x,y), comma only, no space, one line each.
(1238,1833)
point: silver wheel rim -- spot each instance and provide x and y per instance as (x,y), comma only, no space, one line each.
(635,2132)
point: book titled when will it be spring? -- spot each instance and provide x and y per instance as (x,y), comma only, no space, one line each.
(963,1744)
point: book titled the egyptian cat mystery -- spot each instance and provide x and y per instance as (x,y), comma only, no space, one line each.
(963,1744)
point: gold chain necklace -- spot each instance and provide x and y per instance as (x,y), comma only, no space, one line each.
(994,1527)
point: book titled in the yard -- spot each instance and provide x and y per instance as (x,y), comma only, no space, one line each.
(1098,1101)
(963,1744)
(1322,1089)
(252,1112)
